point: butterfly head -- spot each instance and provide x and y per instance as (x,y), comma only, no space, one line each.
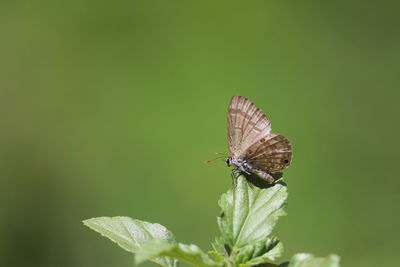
(228,161)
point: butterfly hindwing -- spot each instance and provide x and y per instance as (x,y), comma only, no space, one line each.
(246,124)
(272,152)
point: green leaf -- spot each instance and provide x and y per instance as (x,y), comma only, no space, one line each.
(219,253)
(249,213)
(187,253)
(219,248)
(217,256)
(261,252)
(131,234)
(309,260)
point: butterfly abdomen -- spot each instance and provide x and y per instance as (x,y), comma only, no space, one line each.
(263,175)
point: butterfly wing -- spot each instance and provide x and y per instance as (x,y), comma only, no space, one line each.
(246,125)
(272,152)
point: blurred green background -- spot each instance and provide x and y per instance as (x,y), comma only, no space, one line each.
(110,108)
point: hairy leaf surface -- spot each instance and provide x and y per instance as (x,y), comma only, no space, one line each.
(132,234)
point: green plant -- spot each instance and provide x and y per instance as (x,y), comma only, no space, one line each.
(248,217)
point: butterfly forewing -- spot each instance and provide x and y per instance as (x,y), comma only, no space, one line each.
(246,124)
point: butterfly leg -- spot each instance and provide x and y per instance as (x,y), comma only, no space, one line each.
(242,168)
(235,174)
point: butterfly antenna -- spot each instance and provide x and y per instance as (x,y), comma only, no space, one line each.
(219,153)
(208,161)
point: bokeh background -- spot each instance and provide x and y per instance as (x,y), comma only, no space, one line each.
(111,107)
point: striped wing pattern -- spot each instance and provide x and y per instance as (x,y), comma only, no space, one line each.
(249,137)
(246,124)
(271,153)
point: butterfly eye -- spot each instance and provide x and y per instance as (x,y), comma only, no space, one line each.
(286,161)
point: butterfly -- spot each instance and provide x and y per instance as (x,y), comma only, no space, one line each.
(253,148)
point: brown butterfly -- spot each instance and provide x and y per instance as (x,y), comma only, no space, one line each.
(253,149)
